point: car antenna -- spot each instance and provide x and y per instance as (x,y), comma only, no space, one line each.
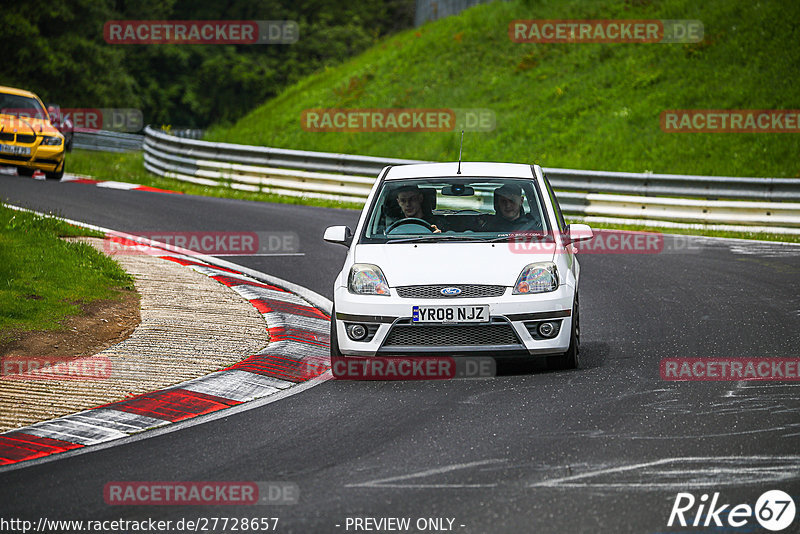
(459,152)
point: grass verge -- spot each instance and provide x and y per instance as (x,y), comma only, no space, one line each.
(569,105)
(44,278)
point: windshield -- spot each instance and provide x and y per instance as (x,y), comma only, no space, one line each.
(21,106)
(455,209)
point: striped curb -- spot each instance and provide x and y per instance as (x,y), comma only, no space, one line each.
(80,179)
(297,352)
(110,184)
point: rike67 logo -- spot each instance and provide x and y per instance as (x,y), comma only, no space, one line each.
(774,510)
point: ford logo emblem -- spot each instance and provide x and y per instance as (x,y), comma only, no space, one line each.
(450,291)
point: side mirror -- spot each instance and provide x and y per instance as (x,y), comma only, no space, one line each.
(579,232)
(338,234)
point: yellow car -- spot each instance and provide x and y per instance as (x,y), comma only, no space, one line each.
(28,141)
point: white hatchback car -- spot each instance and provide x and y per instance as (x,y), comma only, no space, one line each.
(456,259)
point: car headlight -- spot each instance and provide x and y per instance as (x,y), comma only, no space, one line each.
(537,278)
(367,279)
(51,140)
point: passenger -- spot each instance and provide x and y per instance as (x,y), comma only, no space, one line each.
(509,214)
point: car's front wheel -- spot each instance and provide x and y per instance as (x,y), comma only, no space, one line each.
(334,338)
(56,175)
(571,358)
(338,360)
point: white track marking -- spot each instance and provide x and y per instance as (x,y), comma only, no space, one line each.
(743,472)
(386,482)
(116,185)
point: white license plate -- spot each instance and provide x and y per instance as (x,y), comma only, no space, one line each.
(18,150)
(450,314)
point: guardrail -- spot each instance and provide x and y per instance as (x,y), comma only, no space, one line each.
(760,204)
(677,185)
(107,141)
(189,133)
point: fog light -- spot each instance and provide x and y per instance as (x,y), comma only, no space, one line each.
(547,329)
(356,331)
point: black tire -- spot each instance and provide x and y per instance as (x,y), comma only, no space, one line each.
(334,338)
(24,171)
(338,360)
(56,175)
(571,358)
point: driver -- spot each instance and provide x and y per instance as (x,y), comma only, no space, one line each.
(412,203)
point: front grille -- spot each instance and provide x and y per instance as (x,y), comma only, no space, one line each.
(26,138)
(499,333)
(435,291)
(12,157)
(6,136)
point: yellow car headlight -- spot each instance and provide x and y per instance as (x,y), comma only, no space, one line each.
(52,140)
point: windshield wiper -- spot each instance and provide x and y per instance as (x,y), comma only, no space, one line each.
(437,237)
(544,238)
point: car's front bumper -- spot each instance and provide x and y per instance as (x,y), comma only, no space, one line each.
(47,158)
(511,332)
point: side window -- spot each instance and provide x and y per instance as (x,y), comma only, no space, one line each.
(535,208)
(559,216)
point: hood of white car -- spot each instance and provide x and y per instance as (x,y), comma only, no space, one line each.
(448,263)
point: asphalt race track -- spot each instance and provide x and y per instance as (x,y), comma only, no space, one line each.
(602,449)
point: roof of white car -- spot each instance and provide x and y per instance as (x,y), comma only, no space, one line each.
(468,168)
